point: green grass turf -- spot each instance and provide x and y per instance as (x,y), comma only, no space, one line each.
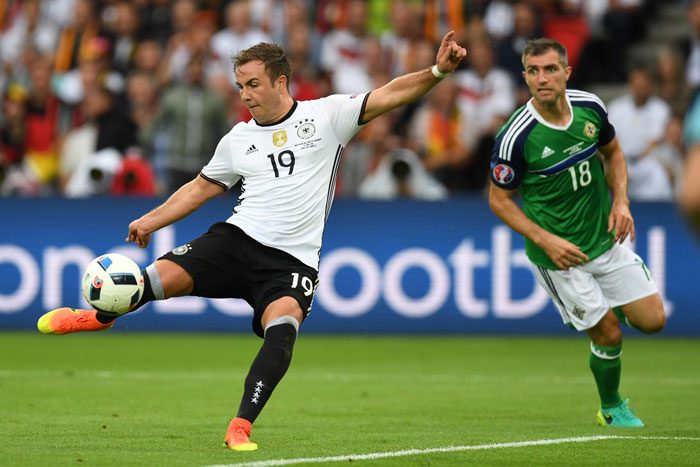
(145,399)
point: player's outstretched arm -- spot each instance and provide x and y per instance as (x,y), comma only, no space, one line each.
(184,201)
(620,218)
(407,88)
(563,253)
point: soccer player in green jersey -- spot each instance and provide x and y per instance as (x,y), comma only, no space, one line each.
(560,153)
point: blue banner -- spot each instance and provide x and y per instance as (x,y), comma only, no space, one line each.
(386,267)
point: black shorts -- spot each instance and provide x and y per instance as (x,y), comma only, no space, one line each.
(226,263)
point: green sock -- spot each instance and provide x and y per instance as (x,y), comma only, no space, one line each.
(606,366)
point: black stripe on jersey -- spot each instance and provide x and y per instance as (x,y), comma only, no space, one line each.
(518,128)
(331,185)
(585,96)
(215,182)
(362,109)
(590,104)
(566,163)
(550,285)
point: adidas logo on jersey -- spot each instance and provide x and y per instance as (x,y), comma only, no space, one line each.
(547,152)
(251,149)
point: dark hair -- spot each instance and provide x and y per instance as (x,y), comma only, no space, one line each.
(541,46)
(271,55)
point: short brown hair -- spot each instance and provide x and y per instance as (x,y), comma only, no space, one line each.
(541,46)
(271,55)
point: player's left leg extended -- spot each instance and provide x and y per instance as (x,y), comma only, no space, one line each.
(281,323)
(162,279)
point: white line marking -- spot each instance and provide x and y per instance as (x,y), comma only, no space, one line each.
(412,452)
(324,376)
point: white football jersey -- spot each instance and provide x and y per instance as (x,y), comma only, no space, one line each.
(288,170)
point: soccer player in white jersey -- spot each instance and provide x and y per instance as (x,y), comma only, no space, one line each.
(267,252)
(559,151)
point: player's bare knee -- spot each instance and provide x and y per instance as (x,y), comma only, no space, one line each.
(612,336)
(655,320)
(284,306)
(648,315)
(606,333)
(174,280)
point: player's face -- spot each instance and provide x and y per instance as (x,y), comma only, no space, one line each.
(546,77)
(266,101)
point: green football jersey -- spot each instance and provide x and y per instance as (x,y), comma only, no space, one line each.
(559,173)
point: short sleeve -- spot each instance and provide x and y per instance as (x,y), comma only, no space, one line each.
(219,170)
(345,112)
(607,130)
(507,161)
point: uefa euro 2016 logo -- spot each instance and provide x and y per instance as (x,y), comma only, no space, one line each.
(503,174)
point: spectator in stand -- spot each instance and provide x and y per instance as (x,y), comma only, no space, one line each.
(671,84)
(148,56)
(363,155)
(443,16)
(276,18)
(115,129)
(406,33)
(342,52)
(155,18)
(29,29)
(443,136)
(194,119)
(59,12)
(640,120)
(615,25)
(509,50)
(401,175)
(669,152)
(239,33)
(499,19)
(486,98)
(124,27)
(624,25)
(192,33)
(564,21)
(43,127)
(12,132)
(94,68)
(12,141)
(84,26)
(142,96)
(304,83)
(91,154)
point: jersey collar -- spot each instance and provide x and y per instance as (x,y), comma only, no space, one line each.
(287,115)
(544,122)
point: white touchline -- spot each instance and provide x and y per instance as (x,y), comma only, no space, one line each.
(412,452)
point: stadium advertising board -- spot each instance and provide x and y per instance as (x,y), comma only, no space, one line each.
(389,267)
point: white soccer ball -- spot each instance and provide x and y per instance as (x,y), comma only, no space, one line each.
(113,284)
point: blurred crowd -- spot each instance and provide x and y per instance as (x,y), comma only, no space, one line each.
(118,97)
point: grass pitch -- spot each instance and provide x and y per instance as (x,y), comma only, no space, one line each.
(117,398)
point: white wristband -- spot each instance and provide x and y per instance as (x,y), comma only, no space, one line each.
(437,73)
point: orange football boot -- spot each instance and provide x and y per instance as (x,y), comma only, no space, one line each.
(67,320)
(237,435)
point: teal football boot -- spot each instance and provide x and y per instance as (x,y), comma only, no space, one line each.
(621,416)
